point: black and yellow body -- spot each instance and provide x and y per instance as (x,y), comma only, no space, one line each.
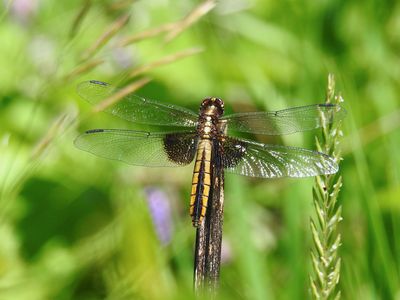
(210,111)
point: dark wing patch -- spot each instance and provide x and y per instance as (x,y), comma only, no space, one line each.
(140,148)
(136,109)
(180,148)
(273,161)
(233,150)
(285,121)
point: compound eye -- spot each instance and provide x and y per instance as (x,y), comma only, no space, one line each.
(219,102)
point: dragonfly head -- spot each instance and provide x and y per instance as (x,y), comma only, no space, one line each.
(212,106)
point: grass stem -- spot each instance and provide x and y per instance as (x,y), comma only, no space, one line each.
(324,227)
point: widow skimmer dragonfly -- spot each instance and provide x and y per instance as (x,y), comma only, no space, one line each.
(204,138)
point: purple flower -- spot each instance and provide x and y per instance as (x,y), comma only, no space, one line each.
(160,210)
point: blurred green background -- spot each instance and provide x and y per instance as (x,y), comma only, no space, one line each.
(75,226)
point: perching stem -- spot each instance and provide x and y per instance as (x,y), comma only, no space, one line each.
(207,256)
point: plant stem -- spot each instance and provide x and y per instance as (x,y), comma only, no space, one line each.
(207,256)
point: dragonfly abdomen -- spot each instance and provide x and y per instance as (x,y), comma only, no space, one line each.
(201,182)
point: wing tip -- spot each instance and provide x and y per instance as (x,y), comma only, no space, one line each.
(339,112)
(79,142)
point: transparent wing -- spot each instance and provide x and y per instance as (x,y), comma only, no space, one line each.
(285,121)
(140,148)
(136,109)
(272,161)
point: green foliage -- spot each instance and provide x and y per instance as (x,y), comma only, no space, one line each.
(74,226)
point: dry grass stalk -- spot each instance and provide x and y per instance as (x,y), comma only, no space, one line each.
(119,5)
(80,17)
(165,61)
(113,29)
(86,67)
(114,98)
(58,127)
(191,18)
(173,29)
(9,190)
(146,34)
(327,240)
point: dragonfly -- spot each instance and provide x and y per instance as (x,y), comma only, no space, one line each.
(208,139)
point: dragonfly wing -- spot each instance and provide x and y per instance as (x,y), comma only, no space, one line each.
(136,109)
(140,148)
(285,121)
(272,161)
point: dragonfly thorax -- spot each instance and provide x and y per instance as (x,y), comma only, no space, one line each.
(212,106)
